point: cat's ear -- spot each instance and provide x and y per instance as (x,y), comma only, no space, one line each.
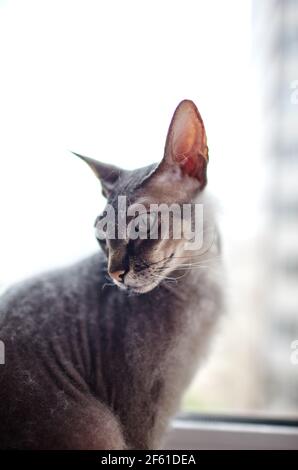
(107,174)
(186,145)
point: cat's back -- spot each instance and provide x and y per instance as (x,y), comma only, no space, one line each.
(46,323)
(35,301)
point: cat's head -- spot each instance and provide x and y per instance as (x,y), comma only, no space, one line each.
(142,256)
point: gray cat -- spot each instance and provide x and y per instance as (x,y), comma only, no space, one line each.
(98,354)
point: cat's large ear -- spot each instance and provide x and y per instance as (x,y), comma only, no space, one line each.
(186,145)
(107,174)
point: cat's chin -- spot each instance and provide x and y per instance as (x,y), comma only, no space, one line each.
(145,289)
(141,289)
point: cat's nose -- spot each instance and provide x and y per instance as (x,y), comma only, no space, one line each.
(117,275)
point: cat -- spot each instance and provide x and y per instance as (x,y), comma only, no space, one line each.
(98,354)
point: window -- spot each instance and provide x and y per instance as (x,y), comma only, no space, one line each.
(74,82)
(253,369)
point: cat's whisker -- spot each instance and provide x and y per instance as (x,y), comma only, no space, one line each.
(203,261)
(212,258)
(181,276)
(167,278)
(189,268)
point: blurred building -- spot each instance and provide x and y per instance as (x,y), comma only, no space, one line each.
(276,45)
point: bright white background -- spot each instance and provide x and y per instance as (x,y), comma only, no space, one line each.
(103,79)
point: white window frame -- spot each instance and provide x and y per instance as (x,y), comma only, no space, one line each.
(187,434)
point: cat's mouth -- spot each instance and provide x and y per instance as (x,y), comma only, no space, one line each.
(143,281)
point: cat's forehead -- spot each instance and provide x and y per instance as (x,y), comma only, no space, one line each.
(144,186)
(131,184)
(134,179)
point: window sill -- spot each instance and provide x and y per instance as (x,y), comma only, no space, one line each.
(201,434)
